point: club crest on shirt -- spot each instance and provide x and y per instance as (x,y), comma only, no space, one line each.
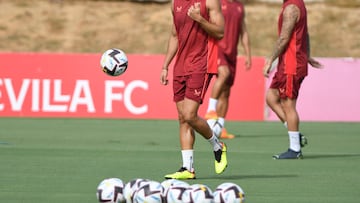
(178,9)
(197,92)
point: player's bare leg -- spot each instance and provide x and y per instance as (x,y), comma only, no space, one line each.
(222,108)
(285,109)
(223,75)
(218,104)
(294,151)
(273,101)
(292,116)
(188,110)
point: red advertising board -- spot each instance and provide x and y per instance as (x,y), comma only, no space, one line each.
(73,85)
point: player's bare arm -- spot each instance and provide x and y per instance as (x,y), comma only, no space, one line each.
(291,15)
(215,26)
(170,54)
(314,63)
(245,41)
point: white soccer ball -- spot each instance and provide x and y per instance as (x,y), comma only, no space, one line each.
(110,190)
(150,192)
(229,193)
(114,62)
(200,193)
(215,126)
(177,193)
(172,182)
(131,187)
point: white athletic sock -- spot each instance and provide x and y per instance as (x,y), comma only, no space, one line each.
(212,104)
(294,141)
(214,141)
(221,121)
(188,159)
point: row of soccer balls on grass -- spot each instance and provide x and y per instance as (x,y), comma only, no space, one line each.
(114,190)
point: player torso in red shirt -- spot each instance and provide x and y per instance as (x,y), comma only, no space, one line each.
(224,51)
(294,60)
(192,39)
(233,12)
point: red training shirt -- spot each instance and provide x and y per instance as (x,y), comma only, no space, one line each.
(295,58)
(192,39)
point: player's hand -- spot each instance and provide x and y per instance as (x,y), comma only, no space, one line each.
(163,77)
(314,63)
(194,12)
(247,64)
(267,68)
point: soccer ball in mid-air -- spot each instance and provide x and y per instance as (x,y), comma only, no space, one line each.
(110,190)
(229,193)
(114,62)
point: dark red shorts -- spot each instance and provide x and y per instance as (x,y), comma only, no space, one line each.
(192,87)
(288,85)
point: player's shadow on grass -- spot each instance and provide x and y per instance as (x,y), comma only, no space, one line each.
(239,177)
(238,135)
(322,156)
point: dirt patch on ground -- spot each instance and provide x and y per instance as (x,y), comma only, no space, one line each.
(93,26)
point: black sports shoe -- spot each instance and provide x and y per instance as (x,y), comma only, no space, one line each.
(289,154)
(303,140)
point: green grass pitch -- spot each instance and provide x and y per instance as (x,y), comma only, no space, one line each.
(63,160)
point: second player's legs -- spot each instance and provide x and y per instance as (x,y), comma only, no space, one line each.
(292,117)
(223,102)
(274,102)
(223,75)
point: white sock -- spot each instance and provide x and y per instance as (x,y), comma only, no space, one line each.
(294,141)
(285,124)
(221,121)
(188,159)
(212,104)
(214,141)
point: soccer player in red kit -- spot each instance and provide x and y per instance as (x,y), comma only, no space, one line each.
(293,52)
(193,22)
(226,61)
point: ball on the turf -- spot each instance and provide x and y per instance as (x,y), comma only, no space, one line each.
(132,186)
(172,182)
(177,193)
(114,62)
(110,190)
(150,192)
(200,193)
(229,193)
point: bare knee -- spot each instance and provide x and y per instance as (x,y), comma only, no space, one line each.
(223,73)
(189,117)
(272,97)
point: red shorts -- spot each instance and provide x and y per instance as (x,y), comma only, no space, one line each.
(288,85)
(192,86)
